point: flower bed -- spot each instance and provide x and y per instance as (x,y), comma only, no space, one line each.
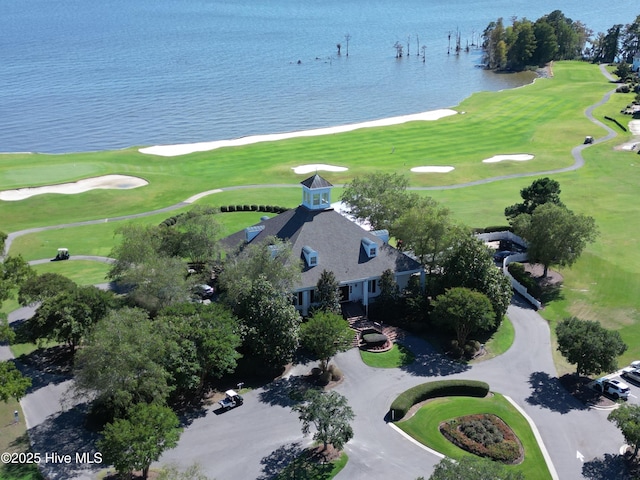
(485,435)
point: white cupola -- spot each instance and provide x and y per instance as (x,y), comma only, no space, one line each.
(316,193)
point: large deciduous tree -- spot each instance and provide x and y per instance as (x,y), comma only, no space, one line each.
(156,279)
(133,443)
(541,191)
(12,383)
(271,323)
(14,272)
(270,260)
(588,345)
(469,263)
(627,419)
(473,468)
(326,334)
(464,311)
(69,315)
(377,198)
(428,230)
(331,416)
(556,235)
(206,339)
(39,287)
(123,362)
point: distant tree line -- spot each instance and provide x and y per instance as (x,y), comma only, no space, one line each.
(526,43)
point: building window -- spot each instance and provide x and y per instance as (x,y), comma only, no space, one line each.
(298,299)
(313,261)
(372,286)
(372,252)
(313,295)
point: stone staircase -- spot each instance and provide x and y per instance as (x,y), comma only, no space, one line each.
(360,323)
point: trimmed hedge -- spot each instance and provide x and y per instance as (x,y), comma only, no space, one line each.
(440,388)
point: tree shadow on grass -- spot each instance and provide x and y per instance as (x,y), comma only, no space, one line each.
(607,468)
(65,434)
(548,392)
(274,463)
(428,362)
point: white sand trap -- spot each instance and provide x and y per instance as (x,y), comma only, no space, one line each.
(118,182)
(634,127)
(519,157)
(316,167)
(432,169)
(184,149)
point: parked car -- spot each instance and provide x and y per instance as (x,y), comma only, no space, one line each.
(232,399)
(631,373)
(614,388)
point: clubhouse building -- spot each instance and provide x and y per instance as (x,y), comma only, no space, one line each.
(323,239)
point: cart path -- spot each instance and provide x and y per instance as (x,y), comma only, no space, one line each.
(576,152)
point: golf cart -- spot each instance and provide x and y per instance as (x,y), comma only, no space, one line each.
(63,254)
(231,400)
(588,139)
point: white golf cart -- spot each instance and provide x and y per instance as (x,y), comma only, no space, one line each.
(231,400)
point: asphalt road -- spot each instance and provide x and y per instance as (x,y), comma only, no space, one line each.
(254,439)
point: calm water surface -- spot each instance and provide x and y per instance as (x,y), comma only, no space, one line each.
(80,75)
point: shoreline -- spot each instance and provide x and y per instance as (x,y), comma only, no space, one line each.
(187,148)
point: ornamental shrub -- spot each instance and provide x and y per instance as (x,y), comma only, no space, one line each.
(439,388)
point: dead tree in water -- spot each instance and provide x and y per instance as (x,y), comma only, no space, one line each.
(347,37)
(424,54)
(338,46)
(408,44)
(398,46)
(449,43)
(418,44)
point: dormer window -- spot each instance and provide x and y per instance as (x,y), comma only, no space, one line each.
(310,256)
(252,232)
(370,247)
(382,235)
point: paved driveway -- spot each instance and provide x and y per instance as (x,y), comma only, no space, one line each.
(258,438)
(255,439)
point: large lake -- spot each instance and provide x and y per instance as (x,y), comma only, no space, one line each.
(79,75)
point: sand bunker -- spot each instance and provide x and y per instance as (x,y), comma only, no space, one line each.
(316,167)
(119,182)
(184,149)
(634,127)
(520,157)
(432,169)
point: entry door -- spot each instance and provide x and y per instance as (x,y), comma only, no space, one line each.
(344,293)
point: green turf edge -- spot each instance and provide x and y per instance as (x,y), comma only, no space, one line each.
(423,427)
(398,356)
(14,439)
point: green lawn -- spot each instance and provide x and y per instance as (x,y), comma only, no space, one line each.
(397,357)
(14,439)
(500,341)
(545,119)
(424,427)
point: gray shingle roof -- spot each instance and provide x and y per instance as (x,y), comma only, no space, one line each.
(316,181)
(337,240)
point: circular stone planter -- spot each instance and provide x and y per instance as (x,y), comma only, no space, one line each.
(375,342)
